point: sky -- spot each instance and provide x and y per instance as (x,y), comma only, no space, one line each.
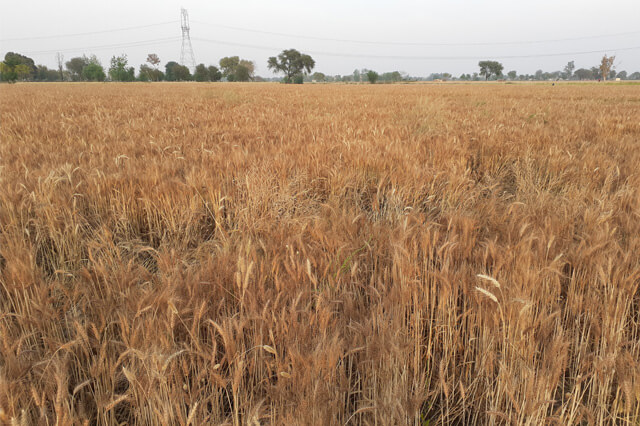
(416,37)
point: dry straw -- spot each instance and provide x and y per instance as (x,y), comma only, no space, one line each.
(261,254)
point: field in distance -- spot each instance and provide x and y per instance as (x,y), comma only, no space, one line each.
(319,254)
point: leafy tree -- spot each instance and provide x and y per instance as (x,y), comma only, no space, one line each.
(93,72)
(394,76)
(177,72)
(214,73)
(490,68)
(119,69)
(372,77)
(22,71)
(512,75)
(201,73)
(318,76)
(595,72)
(7,73)
(76,65)
(182,73)
(250,66)
(13,60)
(357,77)
(568,70)
(236,69)
(606,66)
(228,65)
(583,74)
(622,75)
(291,63)
(168,70)
(45,74)
(635,76)
(146,73)
(242,73)
(151,74)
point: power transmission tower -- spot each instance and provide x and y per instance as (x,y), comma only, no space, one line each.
(186,54)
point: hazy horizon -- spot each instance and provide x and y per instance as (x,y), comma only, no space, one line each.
(514,34)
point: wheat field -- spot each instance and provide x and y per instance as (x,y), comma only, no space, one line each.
(319,254)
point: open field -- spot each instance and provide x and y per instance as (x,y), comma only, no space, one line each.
(319,254)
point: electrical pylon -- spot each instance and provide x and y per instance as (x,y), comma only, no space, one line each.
(186,54)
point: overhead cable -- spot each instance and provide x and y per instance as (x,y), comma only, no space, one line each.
(108,46)
(410,43)
(358,55)
(90,32)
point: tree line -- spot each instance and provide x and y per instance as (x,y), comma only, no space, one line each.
(493,70)
(17,67)
(295,67)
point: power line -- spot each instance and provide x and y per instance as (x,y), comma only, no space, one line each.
(391,43)
(351,55)
(90,32)
(108,46)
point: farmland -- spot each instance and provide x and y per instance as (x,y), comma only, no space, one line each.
(319,254)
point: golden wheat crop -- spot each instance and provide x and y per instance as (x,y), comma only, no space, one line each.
(319,254)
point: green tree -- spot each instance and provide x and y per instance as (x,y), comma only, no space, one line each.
(250,66)
(584,74)
(45,74)
(93,72)
(242,73)
(168,70)
(318,76)
(13,60)
(214,73)
(235,69)
(490,68)
(201,73)
(228,66)
(177,72)
(22,71)
(291,63)
(119,69)
(568,70)
(75,67)
(145,73)
(151,74)
(512,75)
(393,77)
(7,73)
(372,77)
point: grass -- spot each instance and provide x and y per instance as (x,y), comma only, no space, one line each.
(319,254)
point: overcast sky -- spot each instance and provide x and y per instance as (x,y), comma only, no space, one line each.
(446,36)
